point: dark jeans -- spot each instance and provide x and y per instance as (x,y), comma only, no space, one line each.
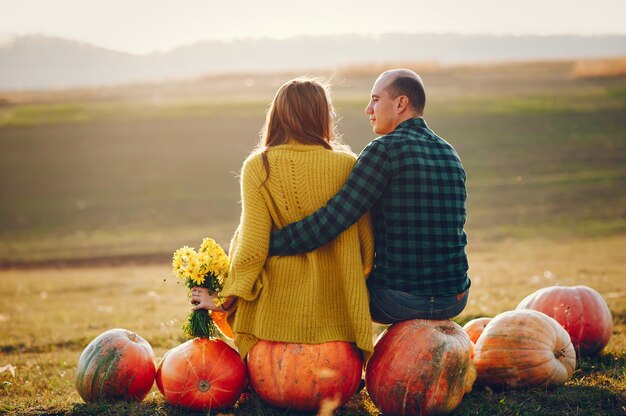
(390,306)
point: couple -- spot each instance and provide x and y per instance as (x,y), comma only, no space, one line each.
(393,216)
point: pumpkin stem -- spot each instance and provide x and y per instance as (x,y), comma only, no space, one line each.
(559,353)
(133,337)
(204,386)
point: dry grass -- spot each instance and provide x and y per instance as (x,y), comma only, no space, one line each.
(504,272)
(231,84)
(373,69)
(598,68)
(48,316)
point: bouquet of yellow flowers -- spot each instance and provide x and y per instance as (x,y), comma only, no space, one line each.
(207,268)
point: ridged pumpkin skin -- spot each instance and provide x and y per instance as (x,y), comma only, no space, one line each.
(475,327)
(300,376)
(580,310)
(201,374)
(117,365)
(524,348)
(420,367)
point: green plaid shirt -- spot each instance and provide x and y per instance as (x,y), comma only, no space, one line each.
(414,183)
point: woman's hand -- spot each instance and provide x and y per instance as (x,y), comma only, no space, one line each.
(202,299)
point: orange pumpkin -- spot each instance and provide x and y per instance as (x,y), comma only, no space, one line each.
(420,367)
(301,376)
(524,348)
(117,365)
(580,310)
(201,374)
(475,327)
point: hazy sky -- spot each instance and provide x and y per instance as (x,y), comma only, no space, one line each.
(143,26)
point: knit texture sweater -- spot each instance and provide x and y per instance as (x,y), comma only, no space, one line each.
(309,298)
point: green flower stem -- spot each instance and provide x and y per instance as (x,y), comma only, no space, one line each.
(199,324)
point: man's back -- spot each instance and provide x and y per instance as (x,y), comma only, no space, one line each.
(415,185)
(420,215)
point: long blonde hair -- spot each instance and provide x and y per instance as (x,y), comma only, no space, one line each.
(302,110)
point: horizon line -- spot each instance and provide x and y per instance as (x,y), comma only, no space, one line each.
(10,38)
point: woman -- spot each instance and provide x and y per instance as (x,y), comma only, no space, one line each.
(310,298)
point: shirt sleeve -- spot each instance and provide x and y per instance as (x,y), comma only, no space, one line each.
(364,186)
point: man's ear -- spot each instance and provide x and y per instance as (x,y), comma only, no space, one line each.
(402,104)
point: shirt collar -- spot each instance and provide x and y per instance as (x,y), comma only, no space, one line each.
(413,122)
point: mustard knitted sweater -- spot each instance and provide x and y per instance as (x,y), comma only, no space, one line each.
(307,298)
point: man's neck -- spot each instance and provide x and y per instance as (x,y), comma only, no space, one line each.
(405,118)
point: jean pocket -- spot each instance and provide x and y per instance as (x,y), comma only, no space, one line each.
(407,300)
(398,295)
(445,302)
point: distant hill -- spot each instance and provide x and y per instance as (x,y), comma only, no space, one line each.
(38,62)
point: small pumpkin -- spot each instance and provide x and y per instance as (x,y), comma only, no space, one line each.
(475,327)
(420,367)
(301,376)
(201,374)
(524,348)
(117,365)
(580,310)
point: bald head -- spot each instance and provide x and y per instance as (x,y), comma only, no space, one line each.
(400,72)
(405,82)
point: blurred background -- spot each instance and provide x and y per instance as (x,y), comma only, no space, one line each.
(123,125)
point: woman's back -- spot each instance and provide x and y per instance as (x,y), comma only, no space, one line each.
(303,179)
(310,298)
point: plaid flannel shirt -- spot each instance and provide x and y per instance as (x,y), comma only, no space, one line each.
(414,183)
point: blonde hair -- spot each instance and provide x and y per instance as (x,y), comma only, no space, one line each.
(301,110)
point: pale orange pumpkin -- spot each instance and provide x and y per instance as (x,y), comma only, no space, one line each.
(302,376)
(524,348)
(580,310)
(420,367)
(475,327)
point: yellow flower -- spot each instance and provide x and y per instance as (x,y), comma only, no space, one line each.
(177,263)
(181,261)
(204,258)
(186,251)
(198,278)
(214,257)
(194,266)
(219,301)
(209,245)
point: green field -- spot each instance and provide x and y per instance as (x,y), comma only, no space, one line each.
(98,187)
(145,169)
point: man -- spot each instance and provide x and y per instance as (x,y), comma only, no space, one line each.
(414,183)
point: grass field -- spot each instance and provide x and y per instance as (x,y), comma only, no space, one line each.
(49,316)
(98,187)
